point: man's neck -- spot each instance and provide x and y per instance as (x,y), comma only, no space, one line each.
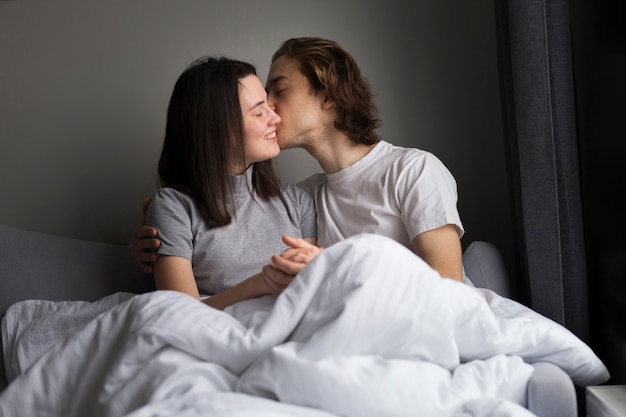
(338,153)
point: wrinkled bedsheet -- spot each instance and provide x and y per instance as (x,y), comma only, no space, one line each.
(367,329)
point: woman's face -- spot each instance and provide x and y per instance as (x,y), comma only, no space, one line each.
(259,122)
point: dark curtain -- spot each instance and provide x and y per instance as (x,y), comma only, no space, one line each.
(599,51)
(539,111)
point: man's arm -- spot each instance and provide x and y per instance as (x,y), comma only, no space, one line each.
(441,249)
(144,242)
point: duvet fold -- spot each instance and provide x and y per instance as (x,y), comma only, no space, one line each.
(366,329)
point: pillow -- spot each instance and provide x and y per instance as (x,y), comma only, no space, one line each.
(484,266)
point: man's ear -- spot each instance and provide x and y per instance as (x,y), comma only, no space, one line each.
(327,103)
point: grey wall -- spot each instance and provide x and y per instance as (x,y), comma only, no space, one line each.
(84,88)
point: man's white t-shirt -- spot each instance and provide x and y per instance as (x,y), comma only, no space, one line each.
(392,191)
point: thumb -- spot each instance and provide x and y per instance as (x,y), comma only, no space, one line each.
(296,242)
(144,210)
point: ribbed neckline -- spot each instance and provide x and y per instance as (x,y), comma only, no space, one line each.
(242,183)
(358,166)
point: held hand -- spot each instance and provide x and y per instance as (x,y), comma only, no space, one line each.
(275,280)
(283,268)
(301,251)
(144,242)
(294,259)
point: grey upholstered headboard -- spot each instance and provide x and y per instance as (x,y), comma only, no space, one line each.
(39,266)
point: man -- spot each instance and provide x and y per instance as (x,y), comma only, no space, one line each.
(368,185)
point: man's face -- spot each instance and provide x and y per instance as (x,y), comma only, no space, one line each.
(290,93)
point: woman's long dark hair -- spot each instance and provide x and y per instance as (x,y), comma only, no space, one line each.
(204,138)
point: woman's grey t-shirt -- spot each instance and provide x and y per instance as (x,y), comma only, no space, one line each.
(224,256)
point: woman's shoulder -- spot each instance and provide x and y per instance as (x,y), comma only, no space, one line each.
(169,193)
(170,206)
(295,190)
(168,198)
(300,203)
(297,195)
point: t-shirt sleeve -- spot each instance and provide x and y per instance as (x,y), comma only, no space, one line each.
(170,213)
(312,184)
(305,209)
(427,195)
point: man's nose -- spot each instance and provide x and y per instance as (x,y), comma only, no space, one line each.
(276,119)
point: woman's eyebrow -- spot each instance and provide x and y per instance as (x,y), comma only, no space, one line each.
(257,104)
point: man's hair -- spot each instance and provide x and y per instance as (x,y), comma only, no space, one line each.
(331,68)
(204,138)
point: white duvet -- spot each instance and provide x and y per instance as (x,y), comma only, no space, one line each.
(367,329)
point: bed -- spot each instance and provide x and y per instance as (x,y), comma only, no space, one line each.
(84,333)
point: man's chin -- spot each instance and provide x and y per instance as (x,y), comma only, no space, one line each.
(287,145)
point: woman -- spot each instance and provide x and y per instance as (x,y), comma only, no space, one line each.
(221,211)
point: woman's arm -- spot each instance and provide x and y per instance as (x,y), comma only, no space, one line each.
(252,287)
(176,274)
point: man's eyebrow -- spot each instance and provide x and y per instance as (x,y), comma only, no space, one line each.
(271,82)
